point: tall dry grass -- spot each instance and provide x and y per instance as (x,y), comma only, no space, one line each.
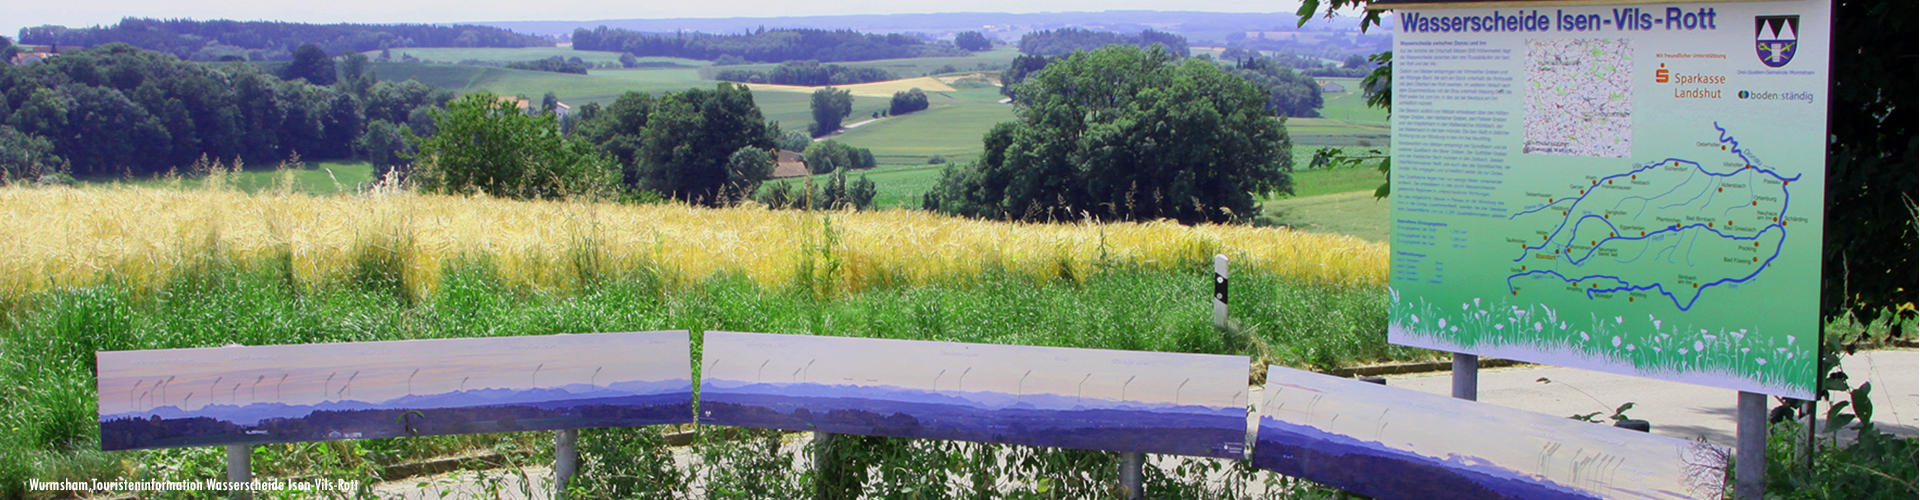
(142,236)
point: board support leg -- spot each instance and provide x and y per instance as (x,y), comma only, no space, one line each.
(1750,448)
(566,459)
(1132,465)
(1466,376)
(240,468)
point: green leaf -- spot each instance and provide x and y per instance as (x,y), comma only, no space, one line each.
(1307,8)
(1840,422)
(1863,405)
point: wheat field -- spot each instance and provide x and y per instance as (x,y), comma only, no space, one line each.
(142,236)
(873,89)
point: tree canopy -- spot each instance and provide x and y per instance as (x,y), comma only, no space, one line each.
(830,106)
(486,145)
(1125,133)
(688,138)
(972,41)
(311,63)
(118,109)
(1289,93)
(907,102)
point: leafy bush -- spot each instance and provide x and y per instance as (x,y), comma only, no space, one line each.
(908,101)
(487,145)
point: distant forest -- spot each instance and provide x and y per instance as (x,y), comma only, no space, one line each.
(118,109)
(809,72)
(1067,40)
(268,40)
(779,45)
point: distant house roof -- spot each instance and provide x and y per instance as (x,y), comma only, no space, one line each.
(525,105)
(1330,86)
(790,164)
(25,58)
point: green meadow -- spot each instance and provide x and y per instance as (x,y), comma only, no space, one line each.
(324,177)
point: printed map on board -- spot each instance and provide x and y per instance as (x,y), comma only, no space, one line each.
(1669,230)
(1580,97)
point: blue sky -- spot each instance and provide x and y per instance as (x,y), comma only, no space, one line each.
(91,12)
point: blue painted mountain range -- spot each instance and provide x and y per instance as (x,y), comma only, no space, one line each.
(978,399)
(252,414)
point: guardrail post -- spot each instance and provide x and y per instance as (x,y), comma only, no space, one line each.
(1131,467)
(1466,376)
(566,459)
(1220,291)
(240,467)
(1750,448)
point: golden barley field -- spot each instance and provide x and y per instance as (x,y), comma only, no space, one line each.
(874,89)
(79,236)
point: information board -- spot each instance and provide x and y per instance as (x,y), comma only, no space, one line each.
(1634,189)
(1090,399)
(1391,443)
(362,390)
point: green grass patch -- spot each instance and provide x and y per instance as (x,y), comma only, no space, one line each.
(951,129)
(1351,106)
(1355,213)
(317,178)
(1323,181)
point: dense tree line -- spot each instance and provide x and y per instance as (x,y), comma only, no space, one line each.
(806,72)
(1068,40)
(552,64)
(271,40)
(777,45)
(684,145)
(1124,133)
(1354,66)
(117,109)
(1289,92)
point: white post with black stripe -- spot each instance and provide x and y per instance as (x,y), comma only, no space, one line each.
(1220,291)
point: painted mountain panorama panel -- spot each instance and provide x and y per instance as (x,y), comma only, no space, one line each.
(361,390)
(1181,404)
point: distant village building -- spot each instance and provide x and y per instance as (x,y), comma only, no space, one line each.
(1328,86)
(790,164)
(561,109)
(35,57)
(525,105)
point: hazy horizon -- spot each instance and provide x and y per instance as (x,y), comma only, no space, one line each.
(88,13)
